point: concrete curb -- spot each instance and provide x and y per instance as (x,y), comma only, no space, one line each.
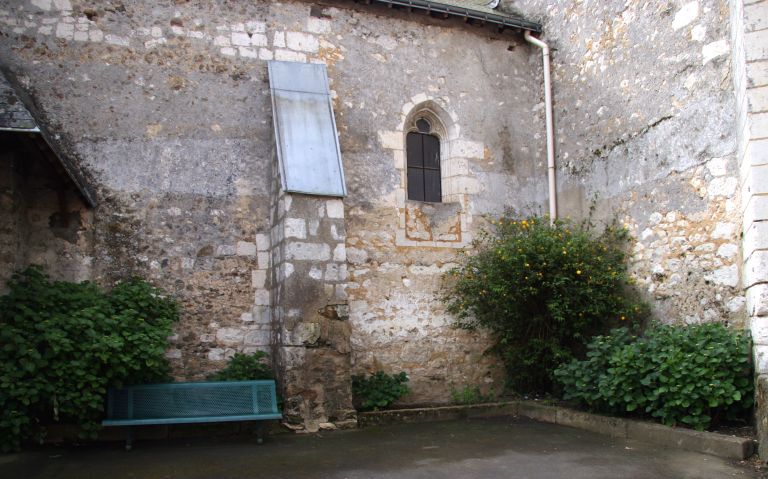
(430,414)
(720,445)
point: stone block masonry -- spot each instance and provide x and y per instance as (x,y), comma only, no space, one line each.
(247,40)
(749,36)
(652,146)
(309,305)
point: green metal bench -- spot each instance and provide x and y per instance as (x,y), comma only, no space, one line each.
(186,403)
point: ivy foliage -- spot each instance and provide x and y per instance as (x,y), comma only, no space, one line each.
(62,345)
(694,375)
(245,367)
(378,390)
(542,290)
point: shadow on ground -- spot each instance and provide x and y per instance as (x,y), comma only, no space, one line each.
(480,448)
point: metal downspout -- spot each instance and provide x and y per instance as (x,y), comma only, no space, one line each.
(550,125)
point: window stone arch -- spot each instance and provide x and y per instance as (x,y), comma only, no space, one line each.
(423,158)
(442,224)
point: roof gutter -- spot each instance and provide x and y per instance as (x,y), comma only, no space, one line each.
(551,168)
(466,13)
(21,130)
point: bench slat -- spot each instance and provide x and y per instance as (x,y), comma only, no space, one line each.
(192,402)
(190,420)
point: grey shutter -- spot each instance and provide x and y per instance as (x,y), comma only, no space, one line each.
(305,129)
(432,189)
(423,152)
(415,179)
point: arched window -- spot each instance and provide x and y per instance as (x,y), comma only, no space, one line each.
(423,158)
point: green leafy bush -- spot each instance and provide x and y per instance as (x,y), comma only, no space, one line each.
(471,395)
(378,390)
(695,375)
(245,367)
(63,344)
(542,291)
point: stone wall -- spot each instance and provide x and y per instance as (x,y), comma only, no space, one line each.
(173,137)
(43,218)
(165,107)
(310,311)
(749,67)
(646,131)
(749,37)
(485,106)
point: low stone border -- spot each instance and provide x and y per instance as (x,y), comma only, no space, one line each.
(729,447)
(428,414)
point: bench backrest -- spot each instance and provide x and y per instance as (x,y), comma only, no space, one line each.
(192,400)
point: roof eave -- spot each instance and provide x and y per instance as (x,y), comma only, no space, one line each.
(74,173)
(502,21)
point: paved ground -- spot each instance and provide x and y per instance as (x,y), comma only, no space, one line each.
(474,449)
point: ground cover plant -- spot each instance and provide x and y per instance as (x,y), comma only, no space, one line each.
(63,344)
(542,289)
(245,367)
(694,376)
(471,395)
(378,390)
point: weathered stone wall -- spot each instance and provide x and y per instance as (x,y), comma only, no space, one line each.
(165,107)
(309,310)
(484,104)
(750,73)
(43,219)
(174,136)
(646,127)
(749,20)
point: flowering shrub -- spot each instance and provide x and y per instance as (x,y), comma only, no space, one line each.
(542,290)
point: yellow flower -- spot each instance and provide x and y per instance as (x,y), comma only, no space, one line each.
(623,318)
(578,271)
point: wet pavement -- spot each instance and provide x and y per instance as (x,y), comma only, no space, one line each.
(479,448)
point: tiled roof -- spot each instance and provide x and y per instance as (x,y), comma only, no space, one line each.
(13,113)
(479,10)
(479,5)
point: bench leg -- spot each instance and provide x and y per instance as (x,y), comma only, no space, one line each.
(259,432)
(129,438)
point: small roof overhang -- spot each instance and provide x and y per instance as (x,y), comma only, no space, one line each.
(16,115)
(467,10)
